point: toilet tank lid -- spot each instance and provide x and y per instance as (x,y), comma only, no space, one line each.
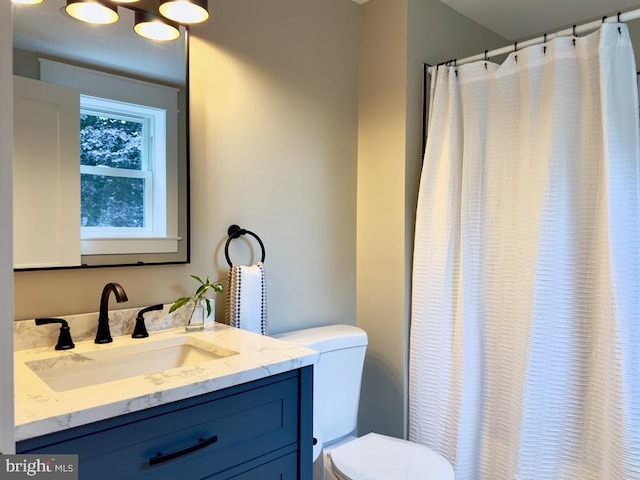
(327,338)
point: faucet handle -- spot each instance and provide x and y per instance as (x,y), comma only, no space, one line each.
(140,330)
(64,339)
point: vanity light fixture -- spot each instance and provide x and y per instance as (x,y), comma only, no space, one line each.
(153,27)
(159,20)
(185,11)
(92,11)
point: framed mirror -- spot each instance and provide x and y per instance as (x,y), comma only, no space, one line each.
(101,158)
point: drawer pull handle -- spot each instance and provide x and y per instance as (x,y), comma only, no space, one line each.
(163,457)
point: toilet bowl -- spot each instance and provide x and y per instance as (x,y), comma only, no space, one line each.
(379,457)
(336,382)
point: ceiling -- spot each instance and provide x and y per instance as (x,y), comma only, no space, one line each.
(518,19)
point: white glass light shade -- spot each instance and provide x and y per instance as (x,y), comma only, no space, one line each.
(151,26)
(184,11)
(92,11)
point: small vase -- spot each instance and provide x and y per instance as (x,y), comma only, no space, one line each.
(196,322)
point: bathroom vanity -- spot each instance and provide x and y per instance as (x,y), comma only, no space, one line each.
(245,413)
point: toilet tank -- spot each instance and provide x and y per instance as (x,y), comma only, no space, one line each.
(336,376)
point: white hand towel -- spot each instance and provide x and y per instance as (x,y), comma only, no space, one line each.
(246,298)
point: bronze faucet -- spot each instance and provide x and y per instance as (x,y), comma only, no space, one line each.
(103,335)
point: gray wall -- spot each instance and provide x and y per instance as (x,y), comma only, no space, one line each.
(274,125)
(634,33)
(6,237)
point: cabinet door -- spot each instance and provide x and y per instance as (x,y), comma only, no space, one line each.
(192,440)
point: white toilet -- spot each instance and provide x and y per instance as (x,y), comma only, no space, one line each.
(337,378)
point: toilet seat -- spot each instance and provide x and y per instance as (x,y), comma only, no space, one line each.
(379,457)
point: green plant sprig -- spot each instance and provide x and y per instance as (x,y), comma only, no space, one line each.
(205,285)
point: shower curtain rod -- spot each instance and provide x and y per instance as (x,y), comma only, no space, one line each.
(576,29)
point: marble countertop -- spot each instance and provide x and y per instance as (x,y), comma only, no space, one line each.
(40,410)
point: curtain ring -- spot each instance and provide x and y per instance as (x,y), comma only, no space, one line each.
(544,45)
(574,35)
(604,19)
(486,59)
(619,29)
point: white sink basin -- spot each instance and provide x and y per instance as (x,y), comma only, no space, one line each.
(111,363)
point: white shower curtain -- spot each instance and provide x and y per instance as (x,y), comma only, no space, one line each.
(525,331)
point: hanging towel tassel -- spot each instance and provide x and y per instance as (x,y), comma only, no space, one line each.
(246,298)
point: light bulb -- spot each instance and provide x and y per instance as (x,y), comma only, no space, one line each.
(184,11)
(92,11)
(26,2)
(153,27)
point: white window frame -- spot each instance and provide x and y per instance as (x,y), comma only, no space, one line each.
(153,166)
(113,89)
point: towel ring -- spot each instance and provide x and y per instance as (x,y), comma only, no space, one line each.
(235,231)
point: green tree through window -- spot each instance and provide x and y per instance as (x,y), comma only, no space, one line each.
(111,198)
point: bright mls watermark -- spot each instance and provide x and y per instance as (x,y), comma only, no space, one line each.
(50,467)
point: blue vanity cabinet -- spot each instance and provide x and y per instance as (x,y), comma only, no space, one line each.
(255,431)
